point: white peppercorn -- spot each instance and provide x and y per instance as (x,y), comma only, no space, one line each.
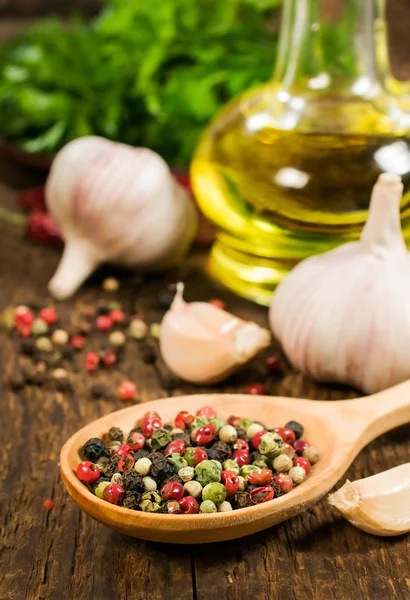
(138,329)
(228,434)
(311,454)
(186,474)
(225,507)
(59,337)
(150,485)
(253,430)
(110,284)
(193,488)
(116,478)
(143,466)
(298,474)
(282,463)
(117,338)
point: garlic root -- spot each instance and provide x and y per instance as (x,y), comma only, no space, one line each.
(204,344)
(379,504)
(79,260)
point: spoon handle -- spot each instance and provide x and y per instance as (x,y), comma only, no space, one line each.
(381,412)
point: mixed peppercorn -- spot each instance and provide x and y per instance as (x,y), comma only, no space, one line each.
(198,464)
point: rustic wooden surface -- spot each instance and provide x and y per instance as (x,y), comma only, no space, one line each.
(64,555)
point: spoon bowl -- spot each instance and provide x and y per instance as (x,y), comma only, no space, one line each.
(338,429)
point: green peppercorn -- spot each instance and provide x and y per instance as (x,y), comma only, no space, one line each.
(7,319)
(44,344)
(99,489)
(217,463)
(39,327)
(247,469)
(207,506)
(218,423)
(259,460)
(151,502)
(160,438)
(271,444)
(186,473)
(231,465)
(178,461)
(155,330)
(207,472)
(193,488)
(54,359)
(245,423)
(199,422)
(215,492)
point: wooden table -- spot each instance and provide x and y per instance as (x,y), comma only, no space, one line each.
(64,555)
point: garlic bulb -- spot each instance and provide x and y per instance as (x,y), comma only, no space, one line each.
(204,344)
(115,203)
(379,504)
(344,315)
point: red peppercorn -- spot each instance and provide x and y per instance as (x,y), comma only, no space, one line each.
(48,504)
(175,447)
(289,450)
(256,389)
(300,446)
(172,490)
(127,390)
(136,440)
(91,362)
(241,457)
(126,463)
(302,462)
(218,303)
(113,493)
(231,482)
(234,421)
(256,440)
(87,472)
(198,455)
(262,494)
(117,316)
(284,481)
(25,330)
(273,364)
(151,414)
(23,318)
(286,434)
(104,323)
(150,426)
(123,449)
(32,198)
(41,228)
(183,420)
(262,477)
(109,358)
(49,315)
(189,506)
(207,411)
(77,342)
(241,445)
(205,434)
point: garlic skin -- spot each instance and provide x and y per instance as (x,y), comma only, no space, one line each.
(115,203)
(204,344)
(344,315)
(379,504)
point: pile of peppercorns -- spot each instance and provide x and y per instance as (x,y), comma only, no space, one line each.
(200,464)
(47,348)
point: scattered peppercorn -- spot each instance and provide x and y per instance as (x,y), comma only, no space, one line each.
(147,354)
(77,342)
(273,364)
(109,358)
(256,389)
(117,338)
(155,330)
(98,390)
(59,337)
(138,329)
(28,347)
(111,284)
(91,362)
(127,390)
(48,504)
(103,323)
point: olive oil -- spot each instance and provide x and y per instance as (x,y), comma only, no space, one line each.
(286,171)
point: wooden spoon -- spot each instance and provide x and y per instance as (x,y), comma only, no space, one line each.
(338,429)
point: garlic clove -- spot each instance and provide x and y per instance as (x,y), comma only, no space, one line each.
(204,344)
(379,504)
(79,260)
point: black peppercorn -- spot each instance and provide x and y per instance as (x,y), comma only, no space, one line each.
(241,433)
(278,491)
(98,390)
(174,478)
(241,500)
(115,433)
(296,427)
(165,299)
(223,448)
(132,481)
(63,384)
(183,435)
(147,354)
(28,347)
(103,309)
(141,454)
(131,500)
(67,352)
(112,466)
(93,449)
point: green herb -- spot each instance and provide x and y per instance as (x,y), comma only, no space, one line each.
(145,73)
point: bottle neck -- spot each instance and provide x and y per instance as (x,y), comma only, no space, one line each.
(348,52)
